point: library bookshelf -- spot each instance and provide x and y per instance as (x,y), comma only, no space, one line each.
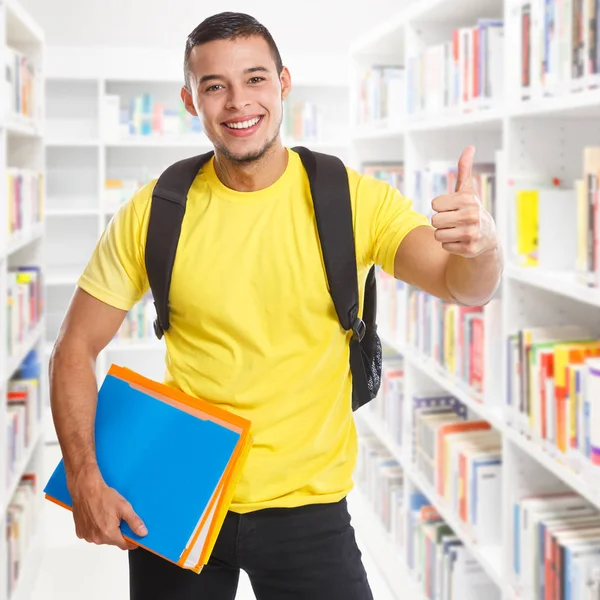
(22,319)
(518,81)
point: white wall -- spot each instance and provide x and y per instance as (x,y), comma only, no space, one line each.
(319,26)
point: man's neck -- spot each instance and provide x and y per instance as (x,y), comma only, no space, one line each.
(254,176)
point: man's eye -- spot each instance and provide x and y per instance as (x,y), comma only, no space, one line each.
(213,88)
(256,79)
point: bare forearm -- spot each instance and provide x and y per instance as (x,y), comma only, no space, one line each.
(473,281)
(73,398)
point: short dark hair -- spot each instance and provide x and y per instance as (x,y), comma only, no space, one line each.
(229,26)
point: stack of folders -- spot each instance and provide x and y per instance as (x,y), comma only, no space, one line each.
(175,458)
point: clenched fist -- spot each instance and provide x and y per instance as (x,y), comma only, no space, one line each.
(462,226)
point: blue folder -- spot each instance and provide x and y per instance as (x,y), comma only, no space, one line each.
(166,462)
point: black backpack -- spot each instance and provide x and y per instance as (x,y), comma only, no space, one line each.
(331,198)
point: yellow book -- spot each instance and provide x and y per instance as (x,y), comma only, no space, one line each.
(527,227)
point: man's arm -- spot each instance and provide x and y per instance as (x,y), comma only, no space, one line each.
(460,258)
(88,327)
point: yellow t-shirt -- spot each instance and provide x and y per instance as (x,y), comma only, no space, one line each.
(253,327)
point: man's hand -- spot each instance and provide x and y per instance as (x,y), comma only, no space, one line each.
(98,511)
(462,226)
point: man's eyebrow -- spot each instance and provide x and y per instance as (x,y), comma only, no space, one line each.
(248,71)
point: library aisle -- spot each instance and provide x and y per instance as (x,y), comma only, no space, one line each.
(478,473)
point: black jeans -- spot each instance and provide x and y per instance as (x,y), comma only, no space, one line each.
(305,553)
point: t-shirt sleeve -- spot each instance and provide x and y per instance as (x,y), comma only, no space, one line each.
(116,273)
(383,218)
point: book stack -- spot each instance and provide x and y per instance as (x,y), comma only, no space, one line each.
(449,334)
(138,324)
(24,405)
(144,116)
(552,391)
(559,50)
(391,308)
(462,74)
(461,458)
(23,86)
(387,407)
(25,304)
(176,458)
(390,172)
(382,95)
(556,547)
(439,178)
(301,121)
(25,199)
(438,560)
(381,479)
(21,522)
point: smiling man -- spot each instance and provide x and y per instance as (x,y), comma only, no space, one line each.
(254,330)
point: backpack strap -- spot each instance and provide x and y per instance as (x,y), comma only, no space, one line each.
(330,192)
(169,200)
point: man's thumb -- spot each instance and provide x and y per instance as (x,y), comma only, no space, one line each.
(465,165)
(131,518)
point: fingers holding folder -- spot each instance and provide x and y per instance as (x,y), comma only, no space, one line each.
(98,511)
(173,459)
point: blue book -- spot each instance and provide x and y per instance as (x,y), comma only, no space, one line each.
(175,458)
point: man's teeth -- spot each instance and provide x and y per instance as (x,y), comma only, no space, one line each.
(243,124)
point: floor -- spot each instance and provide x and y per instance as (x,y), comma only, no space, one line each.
(69,564)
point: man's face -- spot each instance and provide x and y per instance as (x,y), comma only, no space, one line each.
(237,94)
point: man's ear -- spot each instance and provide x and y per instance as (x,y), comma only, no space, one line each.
(286,83)
(188,101)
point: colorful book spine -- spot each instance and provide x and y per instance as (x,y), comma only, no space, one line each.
(25,201)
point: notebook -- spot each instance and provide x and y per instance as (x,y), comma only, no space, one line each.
(175,458)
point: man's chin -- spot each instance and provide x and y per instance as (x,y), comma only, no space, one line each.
(247,156)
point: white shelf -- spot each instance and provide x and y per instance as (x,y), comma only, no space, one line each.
(583,104)
(72,143)
(19,126)
(475,120)
(135,346)
(22,467)
(15,361)
(30,568)
(21,26)
(60,277)
(72,212)
(378,131)
(561,283)
(200,142)
(19,240)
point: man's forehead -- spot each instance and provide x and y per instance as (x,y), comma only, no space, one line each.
(236,54)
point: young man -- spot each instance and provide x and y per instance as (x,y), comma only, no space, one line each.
(248,278)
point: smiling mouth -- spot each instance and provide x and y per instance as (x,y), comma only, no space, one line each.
(243,124)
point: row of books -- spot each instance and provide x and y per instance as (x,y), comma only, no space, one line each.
(138,323)
(21,522)
(452,336)
(464,73)
(556,547)
(25,199)
(392,295)
(382,95)
(439,560)
(553,391)
(23,85)
(25,304)
(461,457)
(390,172)
(143,115)
(387,407)
(559,51)
(24,404)
(301,121)
(381,480)
(439,177)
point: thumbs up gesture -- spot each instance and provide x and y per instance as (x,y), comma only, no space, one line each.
(462,226)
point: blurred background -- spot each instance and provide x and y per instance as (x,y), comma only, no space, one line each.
(478,467)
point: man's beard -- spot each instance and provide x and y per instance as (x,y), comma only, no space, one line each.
(251,156)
